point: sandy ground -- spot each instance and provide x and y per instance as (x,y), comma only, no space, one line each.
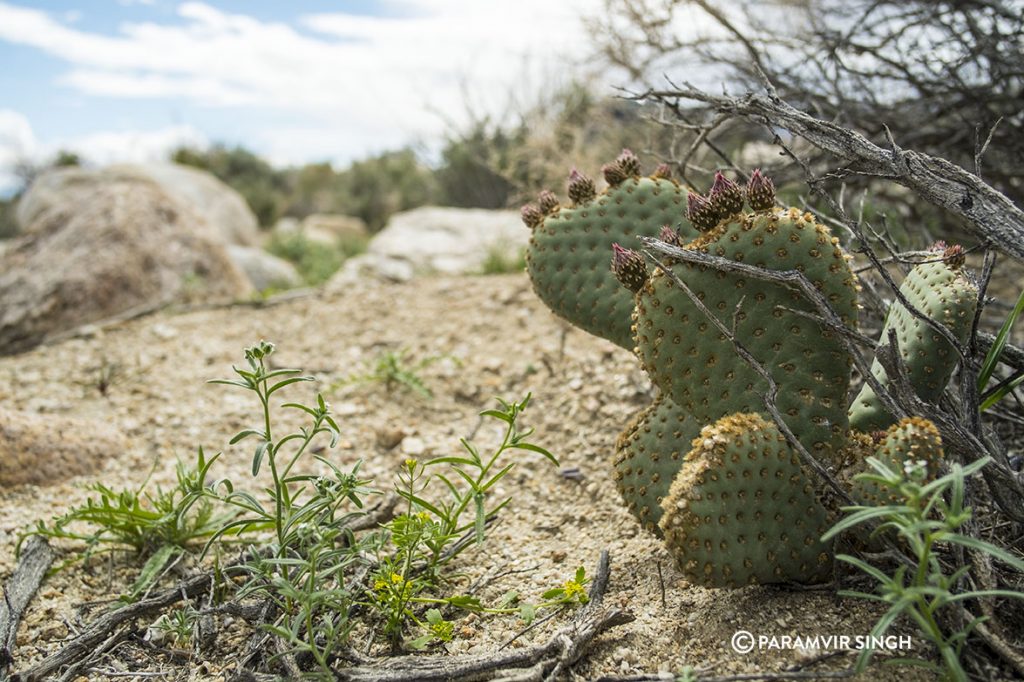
(500,341)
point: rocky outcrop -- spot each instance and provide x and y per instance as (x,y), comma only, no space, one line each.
(38,449)
(126,246)
(436,240)
(226,215)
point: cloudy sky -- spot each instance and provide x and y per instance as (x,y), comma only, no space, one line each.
(297,81)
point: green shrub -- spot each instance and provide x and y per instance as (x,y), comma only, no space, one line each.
(8,225)
(263,187)
(315,261)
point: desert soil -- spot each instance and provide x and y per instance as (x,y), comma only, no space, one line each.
(497,339)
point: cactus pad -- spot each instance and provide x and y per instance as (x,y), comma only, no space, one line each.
(691,360)
(742,511)
(941,291)
(911,440)
(568,255)
(648,455)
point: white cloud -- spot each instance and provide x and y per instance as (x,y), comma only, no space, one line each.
(132,145)
(19,144)
(364,79)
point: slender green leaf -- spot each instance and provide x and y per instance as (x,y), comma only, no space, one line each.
(988,367)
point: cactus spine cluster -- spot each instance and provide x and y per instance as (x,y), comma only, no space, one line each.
(704,466)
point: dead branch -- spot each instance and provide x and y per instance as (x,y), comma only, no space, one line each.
(988,212)
(18,592)
(100,630)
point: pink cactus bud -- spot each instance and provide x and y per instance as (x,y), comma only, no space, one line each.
(662,172)
(701,213)
(548,202)
(670,236)
(531,216)
(629,268)
(760,192)
(725,196)
(613,174)
(581,188)
(629,164)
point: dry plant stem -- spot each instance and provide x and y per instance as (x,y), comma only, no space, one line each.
(541,662)
(86,643)
(18,592)
(1001,647)
(987,211)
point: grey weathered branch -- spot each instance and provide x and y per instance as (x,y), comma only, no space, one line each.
(17,593)
(988,212)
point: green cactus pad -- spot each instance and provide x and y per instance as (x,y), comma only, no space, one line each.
(648,455)
(741,510)
(698,366)
(945,295)
(911,440)
(570,251)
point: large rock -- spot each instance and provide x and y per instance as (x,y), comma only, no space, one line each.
(436,240)
(264,270)
(128,246)
(46,449)
(227,216)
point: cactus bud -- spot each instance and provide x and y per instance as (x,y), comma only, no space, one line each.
(701,213)
(581,188)
(662,172)
(954,256)
(629,268)
(725,196)
(760,192)
(613,174)
(548,202)
(531,215)
(629,164)
(670,236)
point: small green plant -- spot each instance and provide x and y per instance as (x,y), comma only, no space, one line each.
(304,570)
(429,534)
(927,517)
(991,396)
(179,625)
(394,369)
(501,258)
(160,526)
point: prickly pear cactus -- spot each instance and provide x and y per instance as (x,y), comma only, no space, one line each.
(742,510)
(569,250)
(911,441)
(702,465)
(941,291)
(648,455)
(697,365)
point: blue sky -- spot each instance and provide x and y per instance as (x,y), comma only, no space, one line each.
(301,81)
